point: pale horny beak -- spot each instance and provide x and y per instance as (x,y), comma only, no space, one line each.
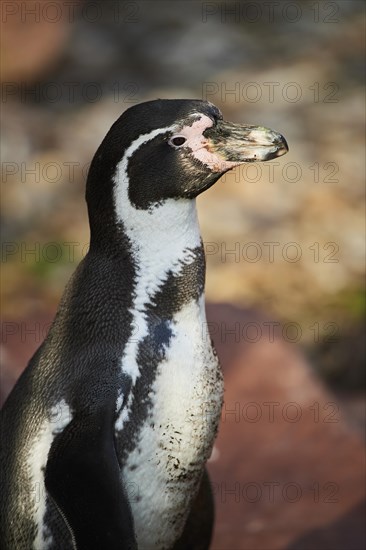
(236,143)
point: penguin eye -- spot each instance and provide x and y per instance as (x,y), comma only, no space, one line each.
(177,141)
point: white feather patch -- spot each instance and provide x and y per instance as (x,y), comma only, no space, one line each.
(60,417)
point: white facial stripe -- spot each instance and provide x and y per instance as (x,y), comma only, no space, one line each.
(160,240)
(198,143)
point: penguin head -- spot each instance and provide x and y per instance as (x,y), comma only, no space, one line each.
(173,149)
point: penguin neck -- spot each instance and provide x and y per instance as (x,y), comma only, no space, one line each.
(165,229)
(165,241)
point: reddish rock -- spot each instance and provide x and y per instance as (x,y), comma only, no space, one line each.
(287,468)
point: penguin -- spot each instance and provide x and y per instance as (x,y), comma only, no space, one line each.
(106,434)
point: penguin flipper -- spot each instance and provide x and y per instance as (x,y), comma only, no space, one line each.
(83,479)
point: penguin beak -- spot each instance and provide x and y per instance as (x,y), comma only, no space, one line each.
(235,143)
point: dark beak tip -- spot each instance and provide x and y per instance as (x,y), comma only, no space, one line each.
(285,145)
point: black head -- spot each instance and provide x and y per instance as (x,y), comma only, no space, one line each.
(171,149)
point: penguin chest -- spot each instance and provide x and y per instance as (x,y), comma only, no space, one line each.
(163,471)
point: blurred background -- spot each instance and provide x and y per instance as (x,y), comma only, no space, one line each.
(284,240)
